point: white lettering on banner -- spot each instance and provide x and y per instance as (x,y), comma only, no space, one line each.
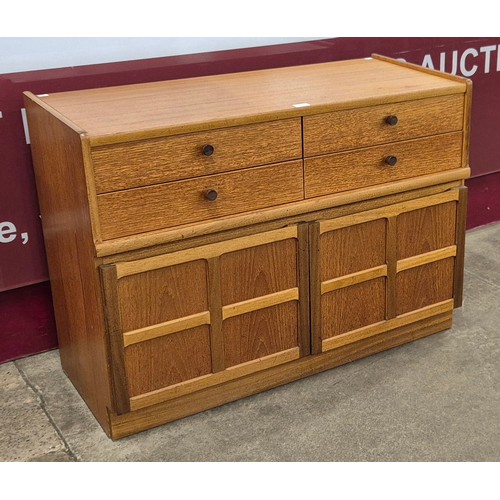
(8,233)
(487,53)
(463,59)
(468,63)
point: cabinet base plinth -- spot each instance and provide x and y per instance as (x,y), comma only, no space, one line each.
(147,418)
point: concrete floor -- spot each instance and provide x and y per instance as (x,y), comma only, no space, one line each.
(437,399)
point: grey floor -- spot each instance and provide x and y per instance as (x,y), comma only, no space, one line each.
(436,399)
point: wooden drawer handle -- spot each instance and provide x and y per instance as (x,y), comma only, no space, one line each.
(210,194)
(208,150)
(391,120)
(391,160)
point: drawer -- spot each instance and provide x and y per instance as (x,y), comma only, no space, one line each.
(367,167)
(362,127)
(171,204)
(154,161)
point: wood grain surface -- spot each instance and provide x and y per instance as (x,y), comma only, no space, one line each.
(424,285)
(114,333)
(458,287)
(336,205)
(168,360)
(257,303)
(165,205)
(351,249)
(426,229)
(353,279)
(186,105)
(353,307)
(153,161)
(301,261)
(426,258)
(366,167)
(353,336)
(260,333)
(166,328)
(204,382)
(257,271)
(168,257)
(362,127)
(162,295)
(58,150)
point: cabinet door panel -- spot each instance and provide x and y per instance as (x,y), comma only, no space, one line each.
(353,307)
(352,249)
(168,360)
(426,229)
(424,285)
(349,275)
(260,333)
(162,294)
(258,271)
(178,321)
(376,270)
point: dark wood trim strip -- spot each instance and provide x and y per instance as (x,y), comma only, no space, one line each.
(458,281)
(467,120)
(315,286)
(215,308)
(303,274)
(391,252)
(121,397)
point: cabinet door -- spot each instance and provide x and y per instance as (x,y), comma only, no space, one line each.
(187,320)
(381,269)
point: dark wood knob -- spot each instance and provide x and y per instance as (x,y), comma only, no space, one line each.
(211,194)
(208,150)
(391,160)
(391,120)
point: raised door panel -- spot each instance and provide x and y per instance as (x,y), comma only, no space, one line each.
(255,335)
(264,301)
(353,307)
(258,271)
(386,268)
(163,294)
(429,253)
(425,285)
(187,320)
(168,360)
(349,277)
(152,308)
(426,229)
(352,249)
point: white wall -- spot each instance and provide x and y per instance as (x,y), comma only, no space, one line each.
(27,54)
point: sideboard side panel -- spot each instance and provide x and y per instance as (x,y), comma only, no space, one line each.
(61,184)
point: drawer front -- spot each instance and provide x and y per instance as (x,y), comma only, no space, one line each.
(362,127)
(155,161)
(368,167)
(183,202)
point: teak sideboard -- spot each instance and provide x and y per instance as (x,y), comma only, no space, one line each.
(210,238)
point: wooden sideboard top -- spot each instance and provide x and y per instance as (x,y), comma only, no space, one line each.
(156,109)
